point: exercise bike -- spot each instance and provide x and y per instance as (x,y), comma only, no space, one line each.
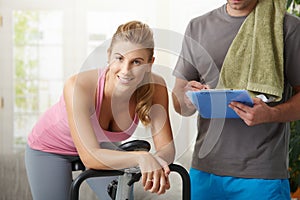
(121,189)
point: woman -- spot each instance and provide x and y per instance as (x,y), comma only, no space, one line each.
(104,105)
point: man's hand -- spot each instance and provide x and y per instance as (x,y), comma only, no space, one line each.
(182,104)
(195,86)
(258,114)
(192,86)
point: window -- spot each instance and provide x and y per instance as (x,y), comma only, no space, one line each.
(38,69)
(99,30)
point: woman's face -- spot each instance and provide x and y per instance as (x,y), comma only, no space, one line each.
(128,64)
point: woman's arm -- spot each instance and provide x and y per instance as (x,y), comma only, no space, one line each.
(160,122)
(162,138)
(79,94)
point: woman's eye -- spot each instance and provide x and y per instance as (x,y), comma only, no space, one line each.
(136,62)
(119,58)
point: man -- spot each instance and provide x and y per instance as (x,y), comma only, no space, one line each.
(244,158)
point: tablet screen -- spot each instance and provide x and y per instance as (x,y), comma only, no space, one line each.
(213,103)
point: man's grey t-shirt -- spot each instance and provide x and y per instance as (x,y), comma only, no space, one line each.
(259,151)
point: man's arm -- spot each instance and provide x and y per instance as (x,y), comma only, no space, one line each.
(262,113)
(178,97)
(290,110)
(181,103)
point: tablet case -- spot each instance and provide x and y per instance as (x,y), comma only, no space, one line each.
(214,103)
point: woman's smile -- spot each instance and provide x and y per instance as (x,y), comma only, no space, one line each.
(124,79)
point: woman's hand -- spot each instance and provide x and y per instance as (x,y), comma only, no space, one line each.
(155,173)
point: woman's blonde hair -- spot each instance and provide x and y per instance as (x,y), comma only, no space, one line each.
(139,33)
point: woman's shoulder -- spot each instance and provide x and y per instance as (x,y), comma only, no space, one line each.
(158,79)
(84,77)
(160,88)
(85,80)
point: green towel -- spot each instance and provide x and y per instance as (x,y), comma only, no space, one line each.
(254,61)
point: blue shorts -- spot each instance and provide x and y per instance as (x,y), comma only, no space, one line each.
(209,186)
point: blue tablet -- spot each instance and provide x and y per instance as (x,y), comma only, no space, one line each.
(214,103)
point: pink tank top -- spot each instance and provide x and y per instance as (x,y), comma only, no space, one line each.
(52,133)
